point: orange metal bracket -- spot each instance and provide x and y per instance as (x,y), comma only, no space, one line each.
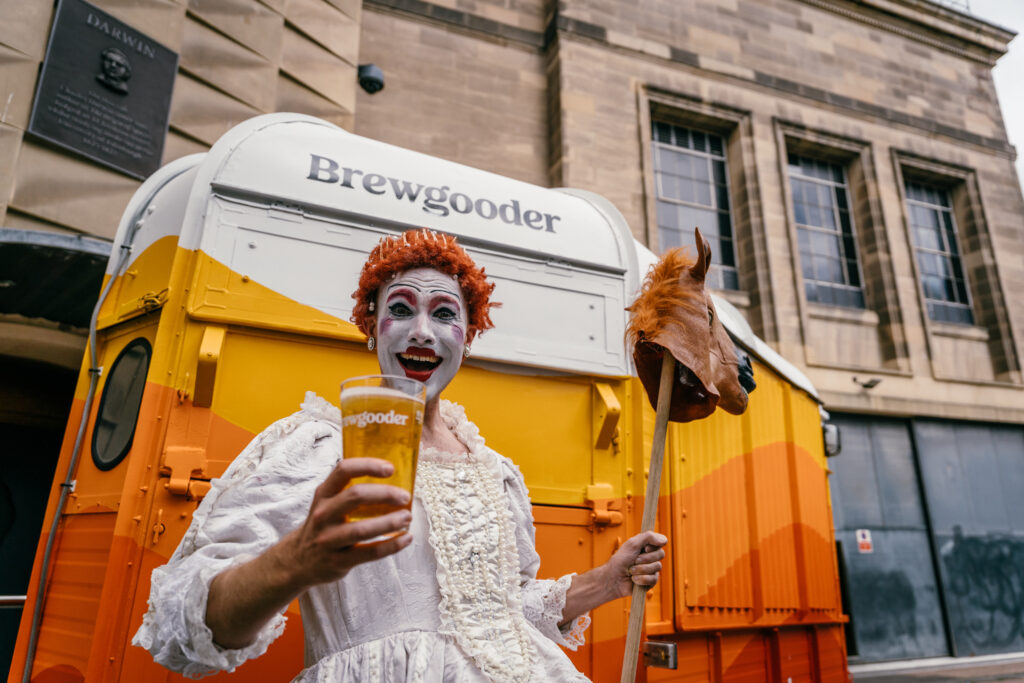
(601,497)
(206,366)
(180,463)
(608,411)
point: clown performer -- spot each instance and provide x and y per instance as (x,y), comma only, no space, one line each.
(453,598)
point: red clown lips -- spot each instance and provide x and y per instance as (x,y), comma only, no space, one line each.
(418,363)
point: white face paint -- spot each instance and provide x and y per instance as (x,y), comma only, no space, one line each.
(421,328)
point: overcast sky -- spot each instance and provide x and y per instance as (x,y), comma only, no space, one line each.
(1009,71)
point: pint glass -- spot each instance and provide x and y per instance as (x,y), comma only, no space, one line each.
(381,417)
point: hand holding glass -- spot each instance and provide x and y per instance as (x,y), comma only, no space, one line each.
(381,417)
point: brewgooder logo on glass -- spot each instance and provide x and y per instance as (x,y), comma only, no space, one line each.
(366,417)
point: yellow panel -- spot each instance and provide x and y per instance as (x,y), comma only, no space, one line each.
(221,295)
(549,437)
(262,376)
(544,424)
(146,277)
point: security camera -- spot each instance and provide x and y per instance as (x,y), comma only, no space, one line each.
(371,78)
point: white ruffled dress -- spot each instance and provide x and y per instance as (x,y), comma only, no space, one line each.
(461,603)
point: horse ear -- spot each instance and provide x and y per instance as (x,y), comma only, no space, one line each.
(703,255)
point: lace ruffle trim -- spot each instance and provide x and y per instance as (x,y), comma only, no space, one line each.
(198,654)
(544,602)
(321,408)
(473,543)
(554,604)
(478,473)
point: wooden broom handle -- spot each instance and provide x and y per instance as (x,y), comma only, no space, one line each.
(636,610)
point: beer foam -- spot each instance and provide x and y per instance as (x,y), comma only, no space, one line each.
(377,392)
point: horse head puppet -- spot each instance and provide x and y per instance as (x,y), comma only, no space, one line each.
(674,312)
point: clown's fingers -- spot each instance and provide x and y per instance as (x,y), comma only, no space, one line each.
(645,579)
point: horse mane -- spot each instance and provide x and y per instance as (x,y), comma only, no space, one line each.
(660,294)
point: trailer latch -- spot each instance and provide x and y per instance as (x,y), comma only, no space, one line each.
(601,498)
(660,655)
(185,467)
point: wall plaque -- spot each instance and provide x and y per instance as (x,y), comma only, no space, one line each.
(104,90)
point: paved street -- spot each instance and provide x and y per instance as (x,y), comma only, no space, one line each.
(945,670)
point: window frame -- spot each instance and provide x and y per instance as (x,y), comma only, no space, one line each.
(991,322)
(725,271)
(947,252)
(881,318)
(756,297)
(838,234)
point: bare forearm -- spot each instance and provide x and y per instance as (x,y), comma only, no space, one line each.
(244,598)
(587,591)
(631,564)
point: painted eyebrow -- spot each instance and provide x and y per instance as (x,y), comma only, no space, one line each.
(406,296)
(444,297)
(443,290)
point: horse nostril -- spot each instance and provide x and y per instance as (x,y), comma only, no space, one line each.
(745,371)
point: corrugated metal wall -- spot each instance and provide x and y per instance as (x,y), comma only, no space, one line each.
(754,522)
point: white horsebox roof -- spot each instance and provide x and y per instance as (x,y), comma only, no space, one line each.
(295,203)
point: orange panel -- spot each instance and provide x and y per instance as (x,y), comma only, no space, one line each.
(694,662)
(566,543)
(775,538)
(831,654)
(795,660)
(73,595)
(744,658)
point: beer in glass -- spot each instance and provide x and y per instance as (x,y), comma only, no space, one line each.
(381,417)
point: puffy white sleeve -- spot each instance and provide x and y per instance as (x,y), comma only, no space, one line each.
(543,599)
(265,493)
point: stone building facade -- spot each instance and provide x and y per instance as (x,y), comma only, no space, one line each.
(849,157)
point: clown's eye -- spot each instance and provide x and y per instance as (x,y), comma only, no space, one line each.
(445,314)
(399,310)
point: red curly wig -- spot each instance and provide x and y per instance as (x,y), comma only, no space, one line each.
(423,248)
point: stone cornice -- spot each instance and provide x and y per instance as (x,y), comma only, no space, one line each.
(928,23)
(563,25)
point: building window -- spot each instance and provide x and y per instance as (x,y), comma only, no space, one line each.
(934,234)
(828,249)
(693,191)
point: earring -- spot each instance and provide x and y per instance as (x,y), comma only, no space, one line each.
(465,351)
(371,344)
(372,307)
